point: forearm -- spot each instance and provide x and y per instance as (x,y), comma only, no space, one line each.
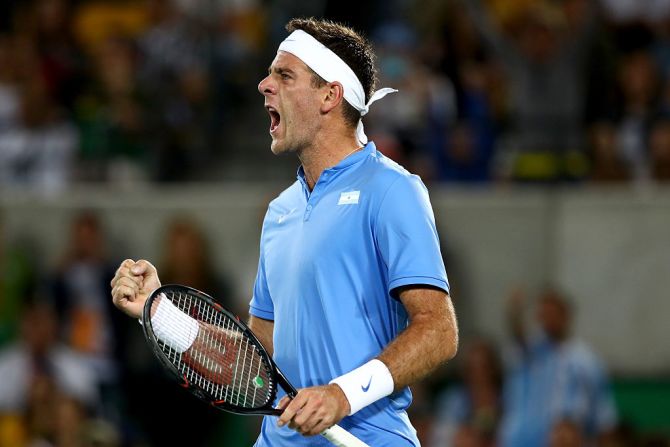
(428,341)
(417,351)
(515,316)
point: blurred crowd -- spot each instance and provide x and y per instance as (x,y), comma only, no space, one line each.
(75,371)
(103,91)
(542,387)
(529,91)
(533,91)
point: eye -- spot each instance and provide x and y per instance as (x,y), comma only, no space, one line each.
(284,76)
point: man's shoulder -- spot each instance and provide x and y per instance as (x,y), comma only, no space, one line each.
(385,166)
(286,201)
(579,352)
(385,173)
(288,196)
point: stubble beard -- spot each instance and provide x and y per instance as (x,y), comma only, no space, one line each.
(289,145)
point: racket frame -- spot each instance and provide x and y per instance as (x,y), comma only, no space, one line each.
(274,373)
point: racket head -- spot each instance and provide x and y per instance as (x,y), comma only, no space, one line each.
(233,344)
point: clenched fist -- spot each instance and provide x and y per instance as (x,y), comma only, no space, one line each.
(132,284)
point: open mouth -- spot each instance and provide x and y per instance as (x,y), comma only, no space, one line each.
(275,118)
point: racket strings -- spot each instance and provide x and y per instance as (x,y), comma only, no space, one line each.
(222,361)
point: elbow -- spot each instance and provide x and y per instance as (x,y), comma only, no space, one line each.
(444,345)
(451,345)
(450,330)
(450,339)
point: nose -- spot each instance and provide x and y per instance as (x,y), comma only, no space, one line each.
(266,86)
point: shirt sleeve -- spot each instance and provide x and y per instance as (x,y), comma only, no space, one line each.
(407,238)
(261,305)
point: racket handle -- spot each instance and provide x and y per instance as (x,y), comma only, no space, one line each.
(342,438)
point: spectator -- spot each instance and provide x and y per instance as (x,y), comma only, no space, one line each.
(186,260)
(552,377)
(111,117)
(174,75)
(639,86)
(38,358)
(428,97)
(659,150)
(52,419)
(464,157)
(475,81)
(37,153)
(607,163)
(468,413)
(61,60)
(80,291)
(543,64)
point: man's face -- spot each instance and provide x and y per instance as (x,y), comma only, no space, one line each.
(554,317)
(292,102)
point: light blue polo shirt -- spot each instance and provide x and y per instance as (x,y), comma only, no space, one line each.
(329,262)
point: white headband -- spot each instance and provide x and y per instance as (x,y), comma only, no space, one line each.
(331,68)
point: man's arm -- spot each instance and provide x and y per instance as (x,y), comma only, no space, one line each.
(516,304)
(430,339)
(263,330)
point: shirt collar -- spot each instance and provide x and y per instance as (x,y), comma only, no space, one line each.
(354,158)
(350,160)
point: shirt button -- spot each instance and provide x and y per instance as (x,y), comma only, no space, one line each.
(309,207)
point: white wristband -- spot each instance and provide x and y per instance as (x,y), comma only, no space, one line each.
(173,327)
(365,384)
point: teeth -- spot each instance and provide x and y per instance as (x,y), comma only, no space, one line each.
(274,118)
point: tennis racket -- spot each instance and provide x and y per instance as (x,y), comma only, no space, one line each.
(216,357)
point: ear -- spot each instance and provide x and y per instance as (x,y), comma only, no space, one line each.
(334,94)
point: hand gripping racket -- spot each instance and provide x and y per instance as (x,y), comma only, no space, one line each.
(216,357)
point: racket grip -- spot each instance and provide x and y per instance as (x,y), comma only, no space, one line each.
(342,438)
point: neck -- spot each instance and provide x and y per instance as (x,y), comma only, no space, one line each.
(325,153)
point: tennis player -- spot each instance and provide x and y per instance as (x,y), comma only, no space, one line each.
(351,294)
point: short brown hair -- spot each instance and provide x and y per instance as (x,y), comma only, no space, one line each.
(351,47)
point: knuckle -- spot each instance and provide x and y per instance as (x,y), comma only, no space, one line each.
(127,281)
